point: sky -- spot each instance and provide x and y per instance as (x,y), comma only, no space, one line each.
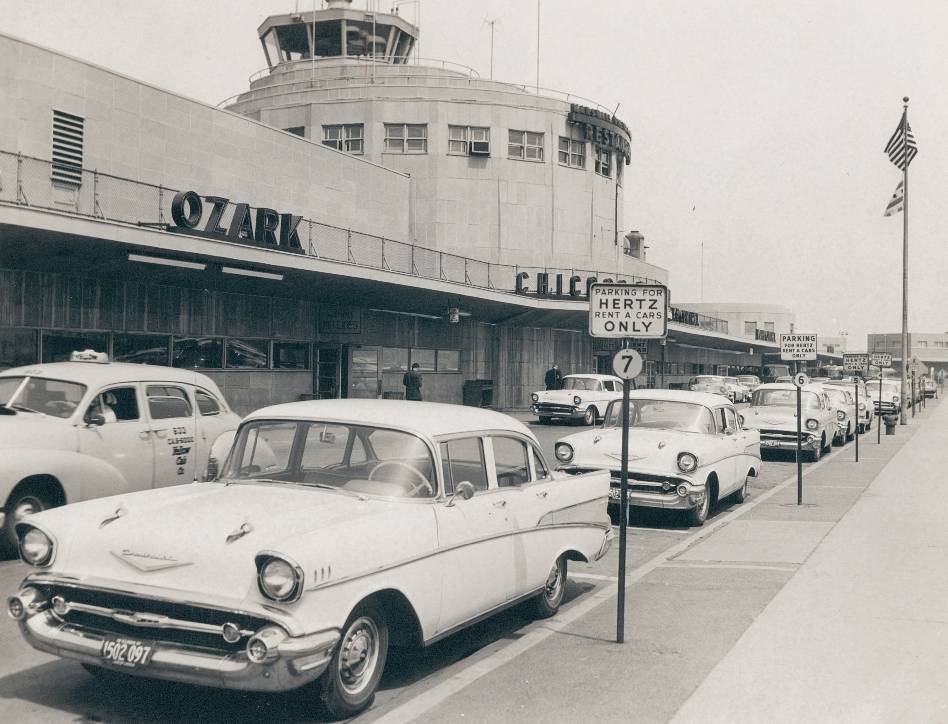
(757,128)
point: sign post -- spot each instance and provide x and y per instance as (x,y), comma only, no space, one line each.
(637,311)
(856,363)
(800,379)
(880,360)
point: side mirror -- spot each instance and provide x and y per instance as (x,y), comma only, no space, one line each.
(463,490)
(96,419)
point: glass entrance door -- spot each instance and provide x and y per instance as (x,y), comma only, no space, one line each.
(328,369)
(365,372)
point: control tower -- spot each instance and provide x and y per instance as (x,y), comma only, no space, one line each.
(338,31)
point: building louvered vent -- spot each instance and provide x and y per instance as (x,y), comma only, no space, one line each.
(67,147)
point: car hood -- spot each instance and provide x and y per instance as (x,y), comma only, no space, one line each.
(650,451)
(31,430)
(771,417)
(190,537)
(564,397)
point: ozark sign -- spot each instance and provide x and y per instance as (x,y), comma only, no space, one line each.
(203,216)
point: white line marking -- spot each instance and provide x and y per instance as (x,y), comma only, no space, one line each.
(422,704)
(750,566)
(593,576)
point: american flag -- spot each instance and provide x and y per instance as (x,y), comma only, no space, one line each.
(901,147)
(896,203)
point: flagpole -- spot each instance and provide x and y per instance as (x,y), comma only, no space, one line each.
(905,193)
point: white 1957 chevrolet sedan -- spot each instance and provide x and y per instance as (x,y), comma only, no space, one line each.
(687,450)
(335,528)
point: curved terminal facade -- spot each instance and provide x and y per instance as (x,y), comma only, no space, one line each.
(497,171)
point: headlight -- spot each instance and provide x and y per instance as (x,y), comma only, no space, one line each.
(862,405)
(896,398)
(840,415)
(535,397)
(278,579)
(687,462)
(812,424)
(563,452)
(577,400)
(36,548)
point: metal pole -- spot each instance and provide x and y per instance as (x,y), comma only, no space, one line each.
(879,421)
(914,403)
(538,47)
(799,451)
(856,379)
(623,512)
(905,210)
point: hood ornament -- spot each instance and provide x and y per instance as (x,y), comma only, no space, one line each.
(661,444)
(120,511)
(243,530)
(148,562)
(597,439)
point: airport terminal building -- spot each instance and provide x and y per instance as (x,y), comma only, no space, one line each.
(354,211)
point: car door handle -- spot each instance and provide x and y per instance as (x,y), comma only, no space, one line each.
(163,432)
(500,503)
(144,434)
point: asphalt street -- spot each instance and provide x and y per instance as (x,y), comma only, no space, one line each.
(692,593)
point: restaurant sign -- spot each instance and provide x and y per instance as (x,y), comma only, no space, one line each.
(602,129)
(205,216)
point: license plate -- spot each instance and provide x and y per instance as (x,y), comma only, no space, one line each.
(768,443)
(614,493)
(130,653)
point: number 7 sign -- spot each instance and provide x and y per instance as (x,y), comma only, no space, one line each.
(627,364)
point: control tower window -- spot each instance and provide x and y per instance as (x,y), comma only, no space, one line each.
(603,161)
(525,145)
(406,138)
(468,141)
(348,138)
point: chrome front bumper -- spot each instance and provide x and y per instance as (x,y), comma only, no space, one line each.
(783,444)
(669,501)
(293,662)
(560,413)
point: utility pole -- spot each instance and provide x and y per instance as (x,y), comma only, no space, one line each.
(492,23)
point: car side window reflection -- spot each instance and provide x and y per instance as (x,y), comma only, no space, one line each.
(510,462)
(119,404)
(463,460)
(542,473)
(730,418)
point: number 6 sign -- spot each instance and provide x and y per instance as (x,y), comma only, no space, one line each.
(627,364)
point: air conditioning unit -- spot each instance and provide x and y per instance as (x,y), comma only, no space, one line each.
(478,148)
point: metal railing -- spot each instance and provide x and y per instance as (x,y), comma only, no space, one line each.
(368,59)
(694,319)
(765,335)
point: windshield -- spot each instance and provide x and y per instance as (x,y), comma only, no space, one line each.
(709,378)
(352,458)
(582,383)
(838,397)
(49,397)
(662,415)
(749,380)
(784,398)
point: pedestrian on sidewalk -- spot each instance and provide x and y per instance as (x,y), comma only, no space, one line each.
(553,378)
(412,382)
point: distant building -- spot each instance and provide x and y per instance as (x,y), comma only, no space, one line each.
(832,345)
(930,349)
(749,319)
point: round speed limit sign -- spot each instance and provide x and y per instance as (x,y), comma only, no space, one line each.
(800,379)
(627,364)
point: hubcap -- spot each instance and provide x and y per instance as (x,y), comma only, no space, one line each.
(25,507)
(359,655)
(553,583)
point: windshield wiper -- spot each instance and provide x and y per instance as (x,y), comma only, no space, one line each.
(24,408)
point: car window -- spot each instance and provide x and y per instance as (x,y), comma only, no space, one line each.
(539,466)
(119,404)
(326,446)
(510,462)
(609,385)
(266,449)
(165,402)
(206,403)
(463,460)
(730,419)
(50,397)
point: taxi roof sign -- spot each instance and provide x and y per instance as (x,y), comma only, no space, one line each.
(89,355)
(628,310)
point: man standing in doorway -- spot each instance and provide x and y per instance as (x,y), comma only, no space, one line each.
(412,382)
(553,378)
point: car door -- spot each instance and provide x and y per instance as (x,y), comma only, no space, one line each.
(172,428)
(474,536)
(732,449)
(124,440)
(748,447)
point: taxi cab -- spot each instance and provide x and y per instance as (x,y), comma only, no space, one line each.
(89,427)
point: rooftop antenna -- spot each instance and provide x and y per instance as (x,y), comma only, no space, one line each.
(492,22)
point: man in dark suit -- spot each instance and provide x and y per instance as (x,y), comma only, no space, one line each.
(412,382)
(553,378)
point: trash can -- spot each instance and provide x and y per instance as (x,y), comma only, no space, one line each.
(478,393)
(890,422)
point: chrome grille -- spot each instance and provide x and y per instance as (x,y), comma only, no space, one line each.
(549,408)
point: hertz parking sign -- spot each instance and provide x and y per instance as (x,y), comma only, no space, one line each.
(797,347)
(628,310)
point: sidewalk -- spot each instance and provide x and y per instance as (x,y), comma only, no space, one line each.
(860,632)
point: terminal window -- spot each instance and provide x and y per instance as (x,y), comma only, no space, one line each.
(525,145)
(406,138)
(461,138)
(603,162)
(348,138)
(750,327)
(572,152)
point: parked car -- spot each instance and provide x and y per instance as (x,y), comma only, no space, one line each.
(736,391)
(784,379)
(866,408)
(713,384)
(751,382)
(889,401)
(688,451)
(72,431)
(581,398)
(847,418)
(365,523)
(929,388)
(773,411)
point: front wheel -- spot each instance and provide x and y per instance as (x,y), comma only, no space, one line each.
(741,495)
(548,601)
(356,668)
(544,420)
(699,514)
(589,417)
(849,433)
(816,452)
(23,503)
